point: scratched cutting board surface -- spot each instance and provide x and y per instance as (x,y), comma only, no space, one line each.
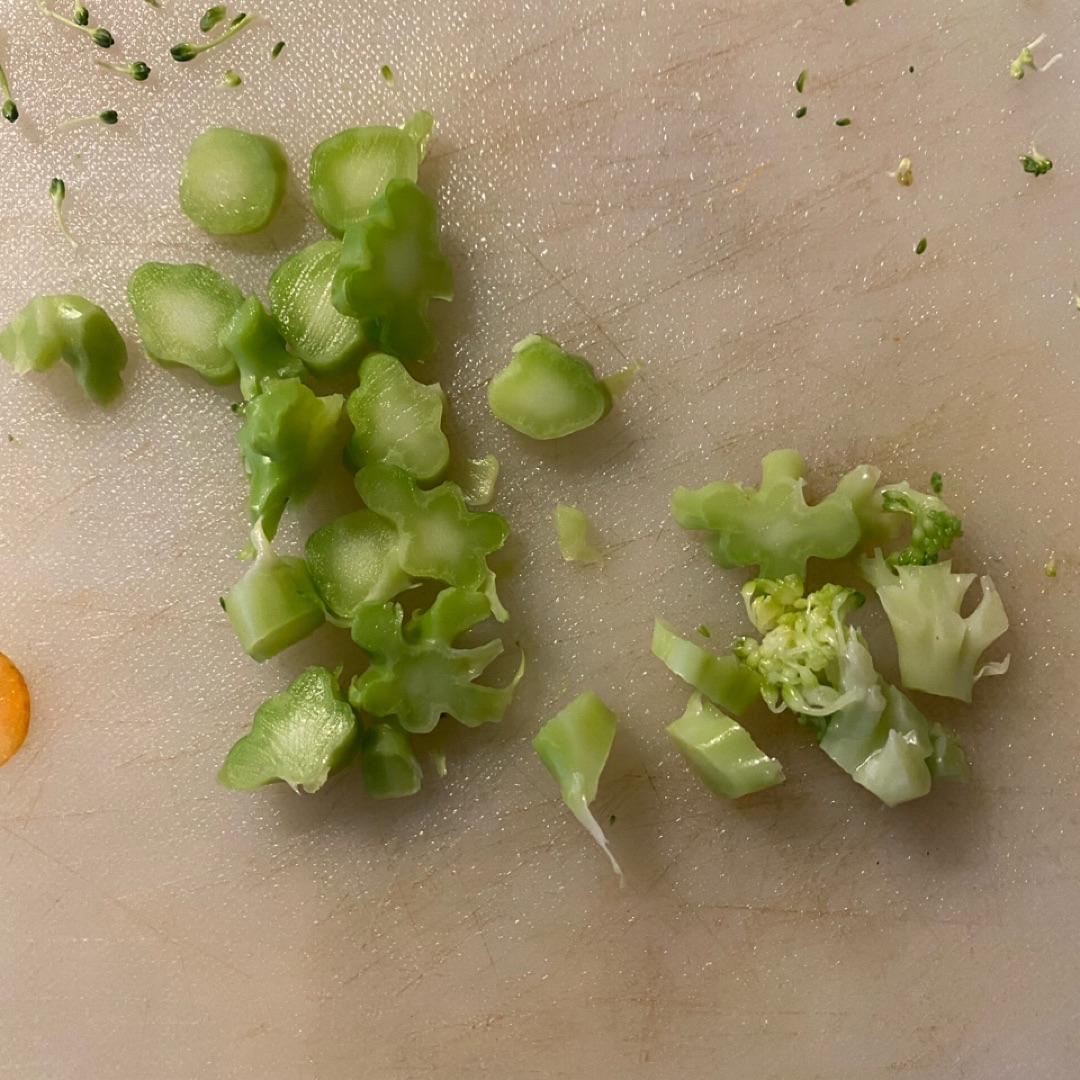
(629,177)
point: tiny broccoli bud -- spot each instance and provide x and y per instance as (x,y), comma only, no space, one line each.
(920,247)
(275,52)
(936,483)
(844,121)
(1026,60)
(9,110)
(140,72)
(97,34)
(57,193)
(108,116)
(136,70)
(81,16)
(800,112)
(231,78)
(185,51)
(387,72)
(800,82)
(211,17)
(1035,163)
(903,175)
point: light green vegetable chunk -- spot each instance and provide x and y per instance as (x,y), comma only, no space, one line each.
(301,736)
(721,752)
(574,746)
(572,527)
(939,649)
(439,537)
(772,527)
(274,605)
(181,312)
(722,679)
(72,329)
(397,421)
(300,303)
(350,169)
(232,181)
(257,348)
(933,525)
(287,434)
(353,561)
(547,393)
(388,763)
(416,673)
(391,267)
(481,476)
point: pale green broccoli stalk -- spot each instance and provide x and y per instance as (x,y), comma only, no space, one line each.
(933,525)
(721,752)
(259,350)
(722,679)
(286,436)
(417,675)
(274,605)
(796,659)
(478,483)
(939,648)
(353,560)
(72,329)
(574,746)
(397,421)
(388,762)
(877,525)
(301,736)
(391,267)
(572,529)
(772,527)
(439,537)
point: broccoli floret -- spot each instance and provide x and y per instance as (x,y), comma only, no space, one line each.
(939,648)
(933,525)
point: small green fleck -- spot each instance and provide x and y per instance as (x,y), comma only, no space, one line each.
(10,111)
(10,438)
(911,70)
(848,3)
(920,247)
(1035,163)
(231,78)
(109,116)
(703,630)
(844,121)
(800,112)
(1050,569)
(58,192)
(275,52)
(800,82)
(211,17)
(221,601)
(611,820)
(388,74)
(102,38)
(80,15)
(936,483)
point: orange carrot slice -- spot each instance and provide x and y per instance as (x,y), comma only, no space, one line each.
(14,709)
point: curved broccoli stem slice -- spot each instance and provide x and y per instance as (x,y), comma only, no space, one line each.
(354,560)
(258,349)
(301,736)
(796,659)
(939,649)
(416,673)
(721,752)
(771,527)
(388,762)
(574,746)
(397,421)
(274,605)
(391,267)
(439,537)
(933,525)
(722,679)
(72,329)
(286,435)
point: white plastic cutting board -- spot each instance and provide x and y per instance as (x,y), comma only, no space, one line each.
(629,177)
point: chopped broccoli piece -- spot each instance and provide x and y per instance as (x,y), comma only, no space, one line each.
(939,649)
(388,762)
(572,528)
(185,51)
(274,605)
(545,392)
(766,600)
(416,673)
(574,746)
(397,421)
(257,348)
(771,527)
(722,679)
(481,476)
(391,267)
(1035,163)
(286,436)
(933,525)
(72,329)
(721,752)
(301,736)
(439,537)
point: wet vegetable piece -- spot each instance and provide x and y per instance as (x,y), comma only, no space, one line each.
(721,752)
(388,762)
(300,736)
(478,483)
(545,392)
(181,312)
(416,673)
(232,181)
(354,560)
(397,421)
(722,679)
(391,268)
(350,169)
(574,746)
(185,51)
(14,709)
(287,434)
(274,605)
(258,349)
(572,527)
(72,329)
(439,537)
(300,302)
